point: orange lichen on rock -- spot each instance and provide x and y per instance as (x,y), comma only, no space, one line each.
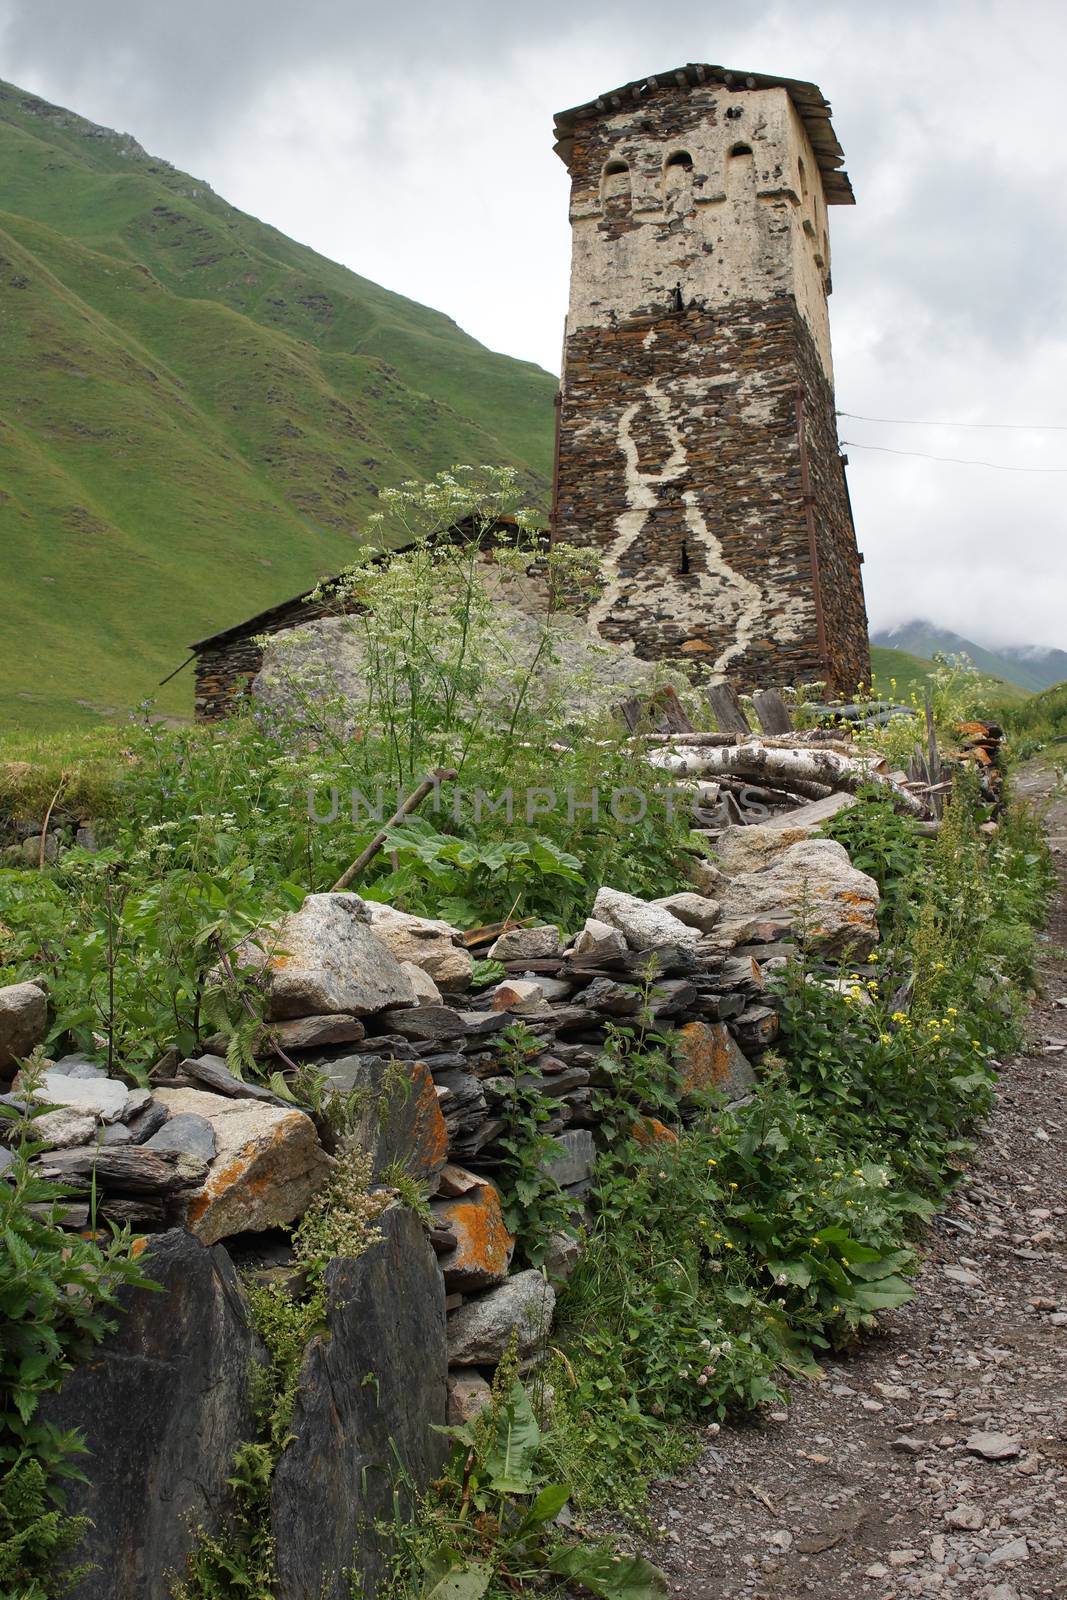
(484,1246)
(650,1130)
(268,1165)
(429,1134)
(711,1060)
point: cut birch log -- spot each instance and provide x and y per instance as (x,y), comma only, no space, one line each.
(781,767)
(678,738)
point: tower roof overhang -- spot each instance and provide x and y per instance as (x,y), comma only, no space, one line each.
(811,107)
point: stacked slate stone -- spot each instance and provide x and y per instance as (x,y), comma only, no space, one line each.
(424,1064)
(381,1004)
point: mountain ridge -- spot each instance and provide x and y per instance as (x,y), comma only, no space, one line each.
(1032,667)
(198,413)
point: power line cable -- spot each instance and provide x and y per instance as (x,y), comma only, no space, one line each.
(959,461)
(912,422)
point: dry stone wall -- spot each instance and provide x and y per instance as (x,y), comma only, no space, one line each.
(216,1170)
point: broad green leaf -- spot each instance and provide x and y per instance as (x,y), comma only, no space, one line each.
(894,1261)
(882,1296)
(607,1574)
(462,1583)
(794,1272)
(549,1503)
(509,1464)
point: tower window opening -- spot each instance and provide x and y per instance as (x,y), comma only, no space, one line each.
(683,558)
(803,177)
(680,158)
(615,184)
(741,150)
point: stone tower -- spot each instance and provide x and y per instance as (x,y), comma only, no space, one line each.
(697,440)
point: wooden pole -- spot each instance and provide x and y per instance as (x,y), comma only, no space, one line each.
(412,803)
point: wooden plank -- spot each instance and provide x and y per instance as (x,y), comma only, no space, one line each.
(934,762)
(669,713)
(772,712)
(633,712)
(726,709)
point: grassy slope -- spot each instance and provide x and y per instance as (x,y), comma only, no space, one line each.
(197,412)
(910,673)
(1040,720)
(922,639)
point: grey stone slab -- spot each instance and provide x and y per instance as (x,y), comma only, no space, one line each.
(370,1393)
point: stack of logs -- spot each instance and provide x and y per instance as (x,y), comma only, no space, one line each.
(735,775)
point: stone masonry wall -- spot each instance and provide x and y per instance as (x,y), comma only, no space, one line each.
(225,669)
(661,195)
(839,561)
(680,460)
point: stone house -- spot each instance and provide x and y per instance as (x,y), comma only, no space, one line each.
(227,662)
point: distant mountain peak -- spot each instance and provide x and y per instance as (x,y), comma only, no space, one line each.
(1030,666)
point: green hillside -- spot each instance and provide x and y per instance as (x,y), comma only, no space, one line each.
(898,673)
(1039,721)
(899,667)
(196,413)
(1030,667)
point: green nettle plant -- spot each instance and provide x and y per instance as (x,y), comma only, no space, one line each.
(535,1207)
(469,881)
(637,1076)
(884,844)
(131,936)
(490,1529)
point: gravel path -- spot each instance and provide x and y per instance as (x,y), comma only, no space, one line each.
(934,1460)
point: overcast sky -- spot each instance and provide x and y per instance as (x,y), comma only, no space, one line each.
(413,142)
